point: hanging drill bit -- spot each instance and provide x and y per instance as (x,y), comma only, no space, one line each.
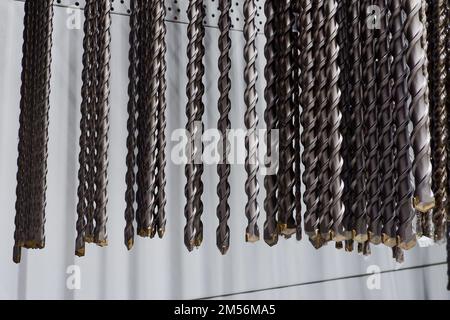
(439,110)
(271,120)
(386,131)
(357,186)
(336,185)
(194,111)
(160,217)
(405,236)
(130,178)
(224,124)
(251,122)
(309,121)
(370,124)
(417,83)
(321,93)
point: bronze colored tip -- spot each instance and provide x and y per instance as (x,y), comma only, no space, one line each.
(161,232)
(130,244)
(251,238)
(375,239)
(339,245)
(361,238)
(198,240)
(407,245)
(89,239)
(316,241)
(80,252)
(349,245)
(423,207)
(152,231)
(223,250)
(102,243)
(281,227)
(389,241)
(273,240)
(144,233)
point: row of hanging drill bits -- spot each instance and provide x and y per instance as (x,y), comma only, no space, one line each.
(146,124)
(33,131)
(94,127)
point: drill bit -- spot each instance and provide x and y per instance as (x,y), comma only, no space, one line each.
(224,124)
(386,131)
(438,77)
(133,84)
(296,106)
(370,126)
(102,124)
(251,122)
(357,186)
(405,236)
(194,110)
(336,185)
(271,120)
(309,121)
(321,93)
(419,109)
(162,123)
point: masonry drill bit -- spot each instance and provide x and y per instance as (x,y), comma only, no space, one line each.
(286,174)
(296,106)
(193,113)
(148,104)
(102,124)
(199,119)
(251,122)
(357,186)
(321,93)
(271,120)
(83,141)
(223,125)
(370,125)
(344,106)
(400,73)
(336,185)
(386,131)
(438,77)
(162,122)
(130,177)
(417,83)
(309,121)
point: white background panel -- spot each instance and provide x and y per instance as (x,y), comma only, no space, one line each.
(160,269)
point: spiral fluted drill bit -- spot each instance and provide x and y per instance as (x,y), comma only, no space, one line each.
(251,122)
(296,106)
(87,80)
(357,186)
(33,131)
(271,120)
(194,126)
(370,124)
(148,104)
(224,124)
(438,78)
(286,174)
(161,200)
(309,121)
(321,93)
(424,220)
(102,124)
(386,131)
(417,83)
(405,213)
(130,178)
(336,185)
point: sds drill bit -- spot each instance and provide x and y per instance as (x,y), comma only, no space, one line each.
(386,131)
(271,120)
(405,236)
(251,122)
(336,185)
(417,83)
(224,124)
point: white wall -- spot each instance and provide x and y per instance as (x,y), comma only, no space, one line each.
(163,268)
